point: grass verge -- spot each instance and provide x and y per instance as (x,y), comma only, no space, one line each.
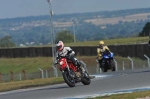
(134,95)
(7,86)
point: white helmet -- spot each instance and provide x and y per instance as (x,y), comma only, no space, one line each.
(60,45)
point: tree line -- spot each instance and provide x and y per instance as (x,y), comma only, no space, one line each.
(83,31)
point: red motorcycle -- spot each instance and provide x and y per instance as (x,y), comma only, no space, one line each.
(73,74)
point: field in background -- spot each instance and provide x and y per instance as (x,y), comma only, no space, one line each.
(115,20)
(104,21)
(133,40)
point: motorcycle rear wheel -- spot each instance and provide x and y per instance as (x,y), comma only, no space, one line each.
(86,79)
(113,68)
(69,79)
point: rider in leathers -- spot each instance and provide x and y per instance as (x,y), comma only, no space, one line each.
(66,52)
(100,51)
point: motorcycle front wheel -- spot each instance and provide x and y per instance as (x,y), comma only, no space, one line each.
(104,68)
(69,79)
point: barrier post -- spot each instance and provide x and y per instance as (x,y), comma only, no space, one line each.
(11,75)
(131,62)
(116,65)
(24,74)
(42,72)
(148,60)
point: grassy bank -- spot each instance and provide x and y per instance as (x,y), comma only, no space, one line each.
(13,85)
(28,64)
(130,40)
(134,95)
(31,65)
(133,40)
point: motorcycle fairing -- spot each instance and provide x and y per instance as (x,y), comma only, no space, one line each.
(64,63)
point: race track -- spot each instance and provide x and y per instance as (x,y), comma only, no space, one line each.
(104,83)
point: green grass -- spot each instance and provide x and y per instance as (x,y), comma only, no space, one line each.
(132,40)
(28,64)
(31,65)
(13,85)
(134,95)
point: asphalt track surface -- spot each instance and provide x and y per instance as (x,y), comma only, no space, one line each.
(110,82)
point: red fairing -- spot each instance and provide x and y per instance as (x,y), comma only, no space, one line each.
(63,64)
(74,68)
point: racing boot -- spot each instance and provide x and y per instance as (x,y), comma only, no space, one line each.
(76,63)
(79,64)
(83,70)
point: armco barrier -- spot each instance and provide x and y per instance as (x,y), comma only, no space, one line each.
(32,52)
(113,48)
(17,52)
(93,50)
(39,51)
(146,50)
(9,53)
(122,50)
(136,50)
(3,53)
(140,50)
(24,52)
(47,51)
(87,50)
(131,50)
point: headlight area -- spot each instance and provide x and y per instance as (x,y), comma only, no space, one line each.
(61,63)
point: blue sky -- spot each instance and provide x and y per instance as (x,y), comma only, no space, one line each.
(23,8)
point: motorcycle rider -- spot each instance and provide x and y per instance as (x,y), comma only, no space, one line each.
(102,48)
(66,52)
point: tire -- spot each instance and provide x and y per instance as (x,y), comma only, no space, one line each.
(85,76)
(68,79)
(104,69)
(86,79)
(113,68)
(104,66)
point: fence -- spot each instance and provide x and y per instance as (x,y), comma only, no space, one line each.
(25,76)
(136,50)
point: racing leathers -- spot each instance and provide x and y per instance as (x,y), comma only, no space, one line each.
(69,54)
(100,51)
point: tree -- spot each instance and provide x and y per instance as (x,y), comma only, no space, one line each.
(6,42)
(146,30)
(65,36)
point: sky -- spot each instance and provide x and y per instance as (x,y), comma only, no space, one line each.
(23,8)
